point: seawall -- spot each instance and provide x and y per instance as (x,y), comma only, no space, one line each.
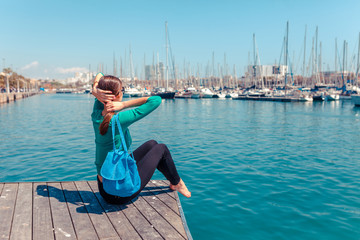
(10,97)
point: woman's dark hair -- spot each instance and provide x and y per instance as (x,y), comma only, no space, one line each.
(113,84)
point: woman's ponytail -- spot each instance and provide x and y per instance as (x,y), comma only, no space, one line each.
(113,84)
(105,123)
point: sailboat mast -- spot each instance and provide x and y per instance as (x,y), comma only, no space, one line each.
(234,82)
(286,52)
(114,65)
(357,66)
(254,66)
(335,55)
(158,69)
(213,65)
(316,55)
(254,52)
(304,52)
(320,63)
(167,68)
(131,66)
(343,70)
(121,68)
(225,69)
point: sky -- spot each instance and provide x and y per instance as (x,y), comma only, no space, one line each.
(55,39)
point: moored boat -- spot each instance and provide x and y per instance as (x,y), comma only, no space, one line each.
(219,95)
(332,97)
(164,95)
(132,92)
(356,99)
(305,98)
(206,93)
(318,97)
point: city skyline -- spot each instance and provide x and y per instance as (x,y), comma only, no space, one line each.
(43,39)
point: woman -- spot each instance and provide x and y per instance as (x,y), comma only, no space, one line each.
(150,156)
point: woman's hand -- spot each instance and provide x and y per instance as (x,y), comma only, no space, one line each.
(113,106)
(103,95)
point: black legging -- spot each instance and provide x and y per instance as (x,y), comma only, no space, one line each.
(149,156)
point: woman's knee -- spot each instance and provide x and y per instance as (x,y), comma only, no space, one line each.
(163,147)
(152,142)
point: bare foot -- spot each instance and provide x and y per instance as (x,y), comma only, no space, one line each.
(181,188)
(172,187)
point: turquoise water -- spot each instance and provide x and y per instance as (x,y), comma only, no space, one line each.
(257,170)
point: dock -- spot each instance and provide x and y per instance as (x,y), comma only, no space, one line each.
(75,210)
(271,99)
(10,97)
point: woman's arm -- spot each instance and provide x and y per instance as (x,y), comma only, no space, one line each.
(130,116)
(102,95)
(118,106)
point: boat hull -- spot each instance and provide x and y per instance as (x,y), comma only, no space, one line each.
(332,97)
(195,95)
(165,95)
(356,100)
(207,95)
(318,98)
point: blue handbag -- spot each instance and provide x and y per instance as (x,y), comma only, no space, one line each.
(119,171)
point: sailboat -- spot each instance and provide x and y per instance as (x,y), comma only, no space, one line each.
(166,94)
(332,96)
(206,93)
(356,97)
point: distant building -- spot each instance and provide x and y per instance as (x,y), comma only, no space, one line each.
(149,72)
(81,77)
(266,70)
(153,72)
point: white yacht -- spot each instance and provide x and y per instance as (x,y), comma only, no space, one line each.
(219,95)
(194,92)
(132,92)
(332,97)
(305,98)
(206,93)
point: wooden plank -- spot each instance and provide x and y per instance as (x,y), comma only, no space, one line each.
(63,226)
(7,205)
(165,211)
(182,215)
(165,198)
(77,211)
(160,224)
(83,226)
(163,184)
(142,226)
(116,216)
(1,187)
(22,221)
(102,224)
(42,223)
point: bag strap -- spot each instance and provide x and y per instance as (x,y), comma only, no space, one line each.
(121,132)
(113,125)
(115,121)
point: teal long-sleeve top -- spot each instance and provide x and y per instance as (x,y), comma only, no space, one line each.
(104,143)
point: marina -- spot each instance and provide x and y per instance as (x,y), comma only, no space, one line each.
(259,108)
(256,169)
(75,210)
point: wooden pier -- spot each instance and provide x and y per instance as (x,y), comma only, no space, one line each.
(75,210)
